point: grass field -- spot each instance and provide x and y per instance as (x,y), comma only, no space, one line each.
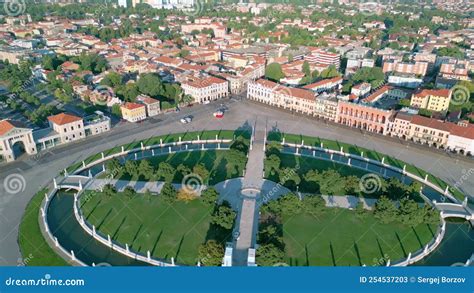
(340,238)
(165,230)
(215,161)
(306,163)
(34,249)
(203,135)
(371,154)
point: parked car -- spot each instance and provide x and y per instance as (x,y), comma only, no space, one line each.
(218,114)
(186,120)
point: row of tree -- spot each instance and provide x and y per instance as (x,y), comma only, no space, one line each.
(408,212)
(332,182)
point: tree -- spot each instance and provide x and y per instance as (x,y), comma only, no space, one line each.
(329,72)
(396,189)
(274,72)
(168,193)
(201,171)
(240,145)
(186,195)
(211,253)
(351,185)
(145,169)
(209,196)
(271,232)
(312,178)
(314,204)
(112,79)
(410,213)
(183,53)
(224,216)
(113,167)
(150,84)
(360,210)
(165,171)
(129,192)
(109,190)
(274,148)
(269,254)
(128,92)
(273,162)
(289,177)
(116,110)
(290,204)
(431,215)
(131,167)
(306,69)
(385,210)
(187,99)
(183,170)
(331,182)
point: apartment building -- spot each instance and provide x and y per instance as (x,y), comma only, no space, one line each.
(325,85)
(152,105)
(69,127)
(133,112)
(429,131)
(205,89)
(326,107)
(263,91)
(455,137)
(413,68)
(361,89)
(363,117)
(324,57)
(461,138)
(295,99)
(433,100)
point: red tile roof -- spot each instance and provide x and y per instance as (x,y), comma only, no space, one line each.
(378,93)
(202,83)
(63,118)
(463,131)
(132,106)
(7,125)
(297,93)
(323,82)
(431,123)
(439,93)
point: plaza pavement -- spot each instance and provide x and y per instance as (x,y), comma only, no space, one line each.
(37,171)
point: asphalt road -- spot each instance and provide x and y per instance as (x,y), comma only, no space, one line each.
(39,170)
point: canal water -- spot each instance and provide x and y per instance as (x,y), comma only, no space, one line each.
(456,247)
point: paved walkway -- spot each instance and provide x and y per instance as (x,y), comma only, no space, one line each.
(252,184)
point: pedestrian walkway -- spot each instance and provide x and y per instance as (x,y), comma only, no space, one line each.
(252,184)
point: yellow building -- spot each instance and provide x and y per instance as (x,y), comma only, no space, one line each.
(432,100)
(133,112)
